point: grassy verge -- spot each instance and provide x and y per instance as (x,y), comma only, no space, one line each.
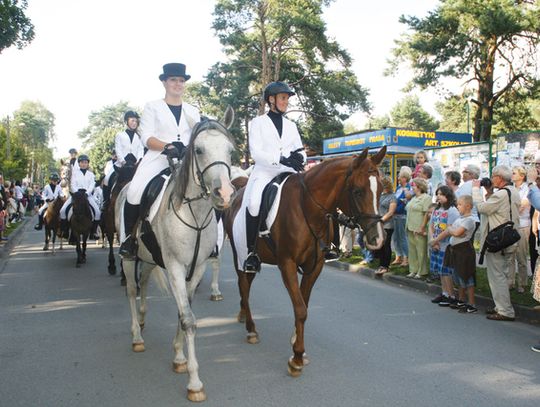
(482,285)
(11,228)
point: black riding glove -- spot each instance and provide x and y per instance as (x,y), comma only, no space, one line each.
(295,155)
(176,149)
(292,163)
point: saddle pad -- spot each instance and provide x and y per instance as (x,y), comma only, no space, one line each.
(155,206)
(239,227)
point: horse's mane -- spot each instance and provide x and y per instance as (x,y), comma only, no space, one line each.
(181,172)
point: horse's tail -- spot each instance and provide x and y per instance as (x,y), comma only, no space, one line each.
(161,280)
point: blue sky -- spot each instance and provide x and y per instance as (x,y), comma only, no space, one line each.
(90,54)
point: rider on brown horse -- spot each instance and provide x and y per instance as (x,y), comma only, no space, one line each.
(50,193)
(276,147)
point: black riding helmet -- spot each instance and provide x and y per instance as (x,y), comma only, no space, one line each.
(130,114)
(273,88)
(54,177)
(83,157)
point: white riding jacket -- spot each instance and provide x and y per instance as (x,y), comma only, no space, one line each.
(83,181)
(124,146)
(48,193)
(266,148)
(158,121)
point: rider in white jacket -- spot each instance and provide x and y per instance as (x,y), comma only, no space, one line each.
(128,148)
(276,147)
(166,131)
(84,179)
(51,191)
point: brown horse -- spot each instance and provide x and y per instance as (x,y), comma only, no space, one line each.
(81,224)
(51,221)
(351,184)
(124,175)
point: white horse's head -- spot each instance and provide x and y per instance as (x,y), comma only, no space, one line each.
(209,156)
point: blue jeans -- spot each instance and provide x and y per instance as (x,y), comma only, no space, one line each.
(368,255)
(399,238)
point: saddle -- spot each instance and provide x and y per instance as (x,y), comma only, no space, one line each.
(267,200)
(150,194)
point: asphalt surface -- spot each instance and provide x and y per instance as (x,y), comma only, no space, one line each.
(65,341)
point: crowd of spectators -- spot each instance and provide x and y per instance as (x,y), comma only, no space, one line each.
(434,234)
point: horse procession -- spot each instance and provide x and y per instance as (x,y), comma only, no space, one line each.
(172,206)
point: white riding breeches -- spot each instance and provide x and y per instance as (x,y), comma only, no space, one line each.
(150,166)
(107,177)
(43,208)
(255,187)
(91,201)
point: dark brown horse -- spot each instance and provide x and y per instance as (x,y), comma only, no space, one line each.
(81,224)
(351,184)
(124,175)
(51,221)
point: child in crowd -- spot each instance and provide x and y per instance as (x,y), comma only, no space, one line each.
(444,215)
(461,254)
(420,158)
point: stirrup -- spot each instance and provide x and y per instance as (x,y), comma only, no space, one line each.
(128,248)
(330,254)
(252,264)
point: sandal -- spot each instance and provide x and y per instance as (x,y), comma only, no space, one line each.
(381,270)
(396,262)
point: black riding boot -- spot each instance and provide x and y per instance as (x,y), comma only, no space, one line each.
(331,253)
(106,196)
(39,226)
(93,233)
(128,248)
(64,228)
(253,262)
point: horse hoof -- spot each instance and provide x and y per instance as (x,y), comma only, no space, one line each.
(141,326)
(293,369)
(138,347)
(241,317)
(196,396)
(179,367)
(123,282)
(112,271)
(253,338)
(45,248)
(306,360)
(216,297)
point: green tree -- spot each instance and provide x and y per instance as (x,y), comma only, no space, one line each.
(98,135)
(408,113)
(455,114)
(15,27)
(491,43)
(267,40)
(16,165)
(515,113)
(379,122)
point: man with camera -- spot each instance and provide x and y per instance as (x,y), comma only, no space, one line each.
(501,206)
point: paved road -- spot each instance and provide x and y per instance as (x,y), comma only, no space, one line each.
(65,341)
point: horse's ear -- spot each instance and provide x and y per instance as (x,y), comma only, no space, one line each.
(228,120)
(62,161)
(377,158)
(191,122)
(360,158)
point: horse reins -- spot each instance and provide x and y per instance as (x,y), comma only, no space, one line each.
(205,194)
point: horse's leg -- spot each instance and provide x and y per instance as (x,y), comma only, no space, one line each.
(288,273)
(112,265)
(215,264)
(244,285)
(306,285)
(146,271)
(85,240)
(47,237)
(188,325)
(78,264)
(53,233)
(137,342)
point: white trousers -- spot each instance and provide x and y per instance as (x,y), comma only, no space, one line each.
(148,168)
(91,201)
(43,208)
(108,176)
(254,189)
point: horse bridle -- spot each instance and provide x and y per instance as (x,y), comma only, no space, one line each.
(205,194)
(356,218)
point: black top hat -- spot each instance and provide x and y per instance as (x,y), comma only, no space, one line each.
(174,69)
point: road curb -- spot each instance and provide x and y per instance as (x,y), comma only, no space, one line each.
(525,314)
(14,238)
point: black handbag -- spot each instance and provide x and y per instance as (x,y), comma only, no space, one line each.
(501,237)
